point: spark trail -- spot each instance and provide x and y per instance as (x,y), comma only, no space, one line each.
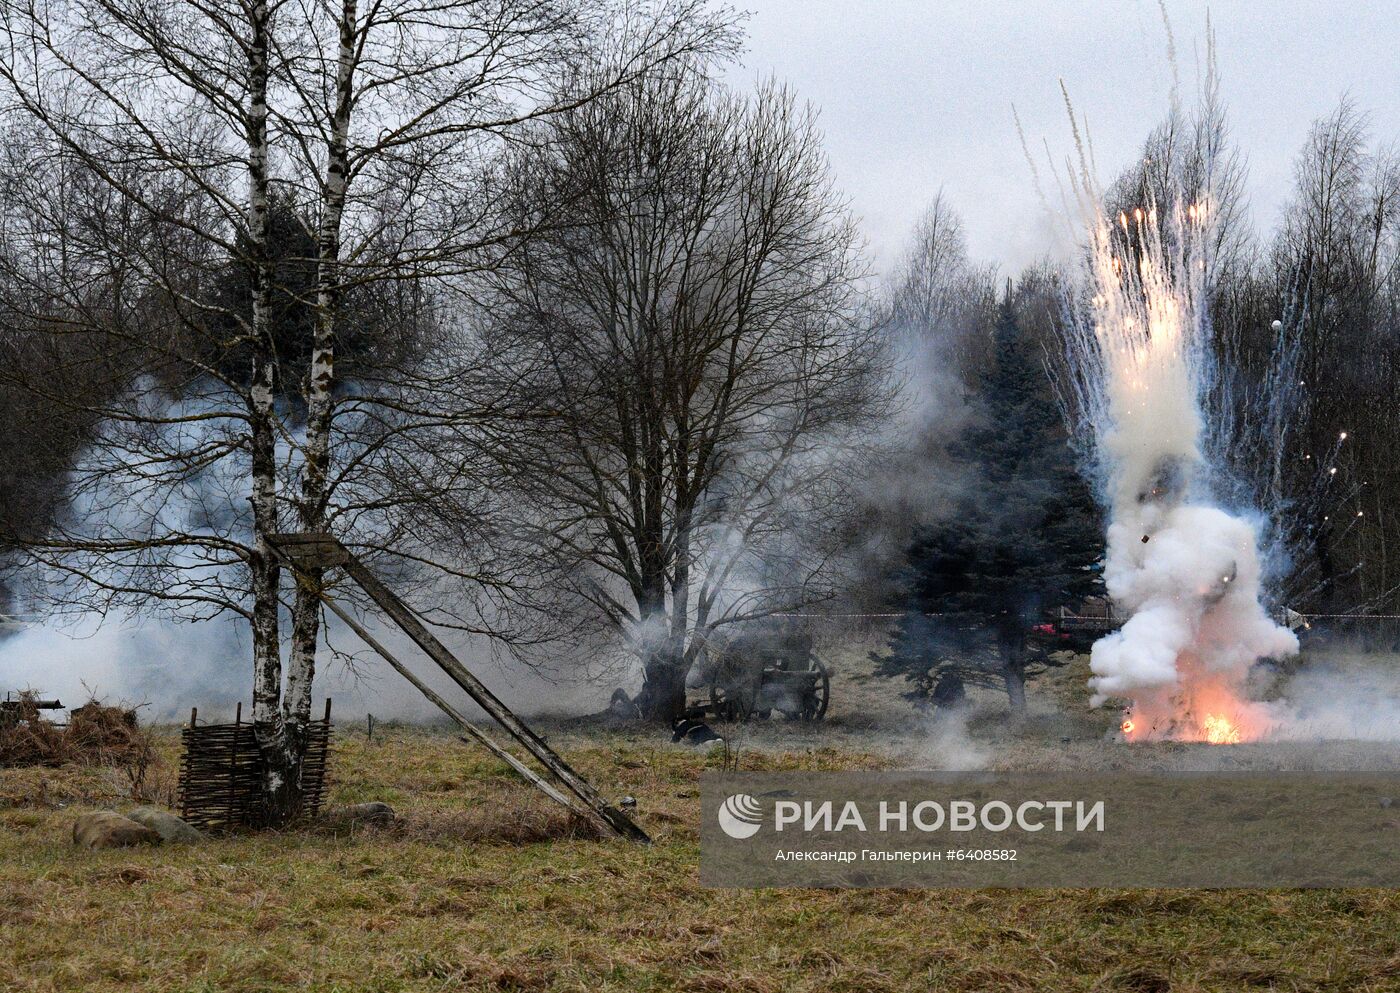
(1185,571)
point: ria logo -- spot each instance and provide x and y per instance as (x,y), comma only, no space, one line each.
(740,816)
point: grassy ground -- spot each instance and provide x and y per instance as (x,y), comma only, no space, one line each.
(460,898)
(482,887)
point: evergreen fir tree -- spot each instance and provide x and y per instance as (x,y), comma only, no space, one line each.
(1024,538)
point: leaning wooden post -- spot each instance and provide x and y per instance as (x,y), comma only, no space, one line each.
(324,550)
(488,702)
(476,733)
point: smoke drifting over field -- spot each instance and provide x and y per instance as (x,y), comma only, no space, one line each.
(171,666)
(159,624)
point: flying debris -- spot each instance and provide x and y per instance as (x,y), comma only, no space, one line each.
(1167,484)
(1186,572)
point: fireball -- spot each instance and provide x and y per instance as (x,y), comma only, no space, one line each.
(1220,730)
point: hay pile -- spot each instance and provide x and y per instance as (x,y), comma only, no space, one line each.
(96,734)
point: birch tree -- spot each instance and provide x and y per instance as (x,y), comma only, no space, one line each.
(161,141)
(404,109)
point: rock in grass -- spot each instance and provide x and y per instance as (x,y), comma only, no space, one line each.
(167,825)
(109,829)
(373,814)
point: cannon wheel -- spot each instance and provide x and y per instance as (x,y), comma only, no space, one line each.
(814,708)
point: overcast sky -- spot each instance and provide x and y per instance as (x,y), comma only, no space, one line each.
(916,95)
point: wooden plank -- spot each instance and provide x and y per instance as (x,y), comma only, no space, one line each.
(314,551)
(476,733)
(398,611)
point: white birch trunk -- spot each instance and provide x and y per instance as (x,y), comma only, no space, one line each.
(320,381)
(279,759)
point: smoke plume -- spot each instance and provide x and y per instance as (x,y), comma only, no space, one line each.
(1185,571)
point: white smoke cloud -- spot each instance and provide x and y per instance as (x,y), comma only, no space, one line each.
(1333,699)
(1191,590)
(166,642)
(1185,571)
(949,747)
(170,666)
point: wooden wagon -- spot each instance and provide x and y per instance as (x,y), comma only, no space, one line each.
(764,669)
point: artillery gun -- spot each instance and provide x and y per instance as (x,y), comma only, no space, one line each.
(765,667)
(24,707)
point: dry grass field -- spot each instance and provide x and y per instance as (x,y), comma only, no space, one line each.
(479,886)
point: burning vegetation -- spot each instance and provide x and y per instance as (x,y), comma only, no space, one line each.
(1213,729)
(1205,706)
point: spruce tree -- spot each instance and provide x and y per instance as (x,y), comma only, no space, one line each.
(1023,538)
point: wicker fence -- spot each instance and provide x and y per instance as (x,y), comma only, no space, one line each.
(221,772)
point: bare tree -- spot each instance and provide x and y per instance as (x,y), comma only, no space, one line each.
(1190,159)
(402,119)
(694,349)
(939,298)
(164,145)
(1333,272)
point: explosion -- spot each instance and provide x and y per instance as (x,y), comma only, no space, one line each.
(1219,730)
(1215,729)
(1201,708)
(1185,571)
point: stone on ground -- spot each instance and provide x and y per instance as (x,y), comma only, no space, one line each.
(371,814)
(167,825)
(109,829)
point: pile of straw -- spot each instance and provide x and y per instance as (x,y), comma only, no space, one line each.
(95,734)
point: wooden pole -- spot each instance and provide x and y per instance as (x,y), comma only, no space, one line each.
(233,767)
(325,550)
(185,793)
(476,733)
(398,611)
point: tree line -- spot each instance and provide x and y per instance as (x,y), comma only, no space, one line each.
(1300,373)
(575,345)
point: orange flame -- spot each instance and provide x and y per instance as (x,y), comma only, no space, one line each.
(1206,709)
(1219,730)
